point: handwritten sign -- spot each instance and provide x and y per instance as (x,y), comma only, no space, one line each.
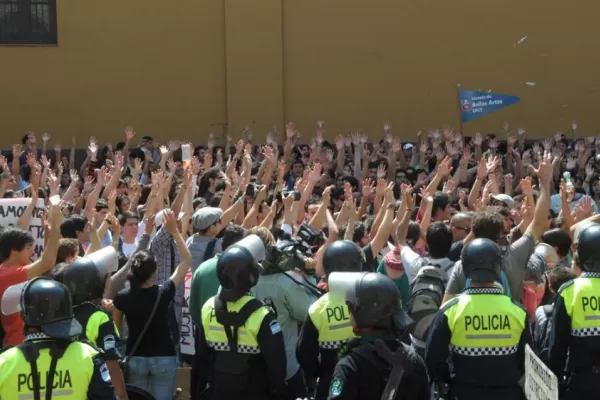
(186,344)
(540,382)
(10,212)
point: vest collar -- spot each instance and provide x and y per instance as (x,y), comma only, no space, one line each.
(590,274)
(491,290)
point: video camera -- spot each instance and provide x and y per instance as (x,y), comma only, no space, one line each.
(291,253)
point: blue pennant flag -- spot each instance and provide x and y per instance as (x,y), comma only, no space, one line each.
(475,104)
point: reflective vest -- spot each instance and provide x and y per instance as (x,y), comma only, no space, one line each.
(92,327)
(332,320)
(247,335)
(484,322)
(582,303)
(73,374)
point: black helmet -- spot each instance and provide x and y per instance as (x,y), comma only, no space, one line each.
(375,303)
(46,304)
(84,280)
(588,248)
(482,260)
(343,256)
(238,267)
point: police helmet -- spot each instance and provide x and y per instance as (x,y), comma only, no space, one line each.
(588,248)
(86,276)
(482,260)
(46,304)
(239,266)
(373,300)
(343,256)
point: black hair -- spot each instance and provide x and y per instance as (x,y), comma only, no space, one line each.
(14,239)
(439,239)
(440,202)
(231,234)
(127,215)
(413,234)
(197,201)
(101,204)
(211,173)
(215,200)
(559,239)
(143,266)
(71,225)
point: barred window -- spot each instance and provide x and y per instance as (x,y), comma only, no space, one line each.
(28,22)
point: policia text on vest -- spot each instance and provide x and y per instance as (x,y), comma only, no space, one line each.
(487,322)
(338,314)
(61,385)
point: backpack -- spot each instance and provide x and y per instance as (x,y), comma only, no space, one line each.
(542,346)
(425,298)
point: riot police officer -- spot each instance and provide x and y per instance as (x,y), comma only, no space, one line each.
(87,278)
(327,328)
(576,322)
(240,353)
(377,365)
(486,331)
(49,363)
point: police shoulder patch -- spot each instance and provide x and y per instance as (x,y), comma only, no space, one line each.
(275,327)
(337,385)
(109,342)
(104,373)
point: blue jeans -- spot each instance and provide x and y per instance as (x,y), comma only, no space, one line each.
(156,375)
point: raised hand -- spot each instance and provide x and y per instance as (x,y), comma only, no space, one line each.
(558,136)
(290,130)
(339,141)
(386,128)
(521,132)
(45,137)
(545,170)
(381,171)
(368,188)
(478,139)
(445,167)
(493,144)
(129,133)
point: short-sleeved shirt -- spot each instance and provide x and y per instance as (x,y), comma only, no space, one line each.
(12,324)
(514,262)
(137,304)
(413,262)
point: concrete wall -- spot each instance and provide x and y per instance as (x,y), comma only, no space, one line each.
(183,67)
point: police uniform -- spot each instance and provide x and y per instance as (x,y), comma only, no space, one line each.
(485,331)
(240,353)
(98,328)
(49,364)
(323,338)
(377,365)
(86,280)
(327,329)
(80,373)
(576,323)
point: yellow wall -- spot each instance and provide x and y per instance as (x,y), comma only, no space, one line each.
(183,67)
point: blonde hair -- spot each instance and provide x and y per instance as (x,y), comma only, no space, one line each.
(264,234)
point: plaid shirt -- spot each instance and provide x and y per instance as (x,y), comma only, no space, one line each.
(167,256)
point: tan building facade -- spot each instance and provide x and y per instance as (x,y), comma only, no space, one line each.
(180,68)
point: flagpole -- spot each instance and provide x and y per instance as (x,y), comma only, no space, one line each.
(460,121)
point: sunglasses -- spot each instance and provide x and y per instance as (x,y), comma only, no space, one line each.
(466,230)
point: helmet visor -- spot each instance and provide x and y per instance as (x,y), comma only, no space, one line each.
(11,299)
(342,286)
(106,260)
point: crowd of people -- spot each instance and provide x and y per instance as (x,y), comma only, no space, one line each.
(344,269)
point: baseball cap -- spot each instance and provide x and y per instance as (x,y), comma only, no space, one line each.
(205,217)
(504,198)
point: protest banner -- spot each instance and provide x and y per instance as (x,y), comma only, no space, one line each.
(540,382)
(474,104)
(10,212)
(186,343)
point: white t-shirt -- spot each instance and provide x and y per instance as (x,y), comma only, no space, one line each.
(129,248)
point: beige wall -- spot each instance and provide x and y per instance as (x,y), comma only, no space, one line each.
(181,68)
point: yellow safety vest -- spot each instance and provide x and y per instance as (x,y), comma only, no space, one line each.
(332,320)
(73,374)
(484,322)
(581,297)
(247,334)
(92,327)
